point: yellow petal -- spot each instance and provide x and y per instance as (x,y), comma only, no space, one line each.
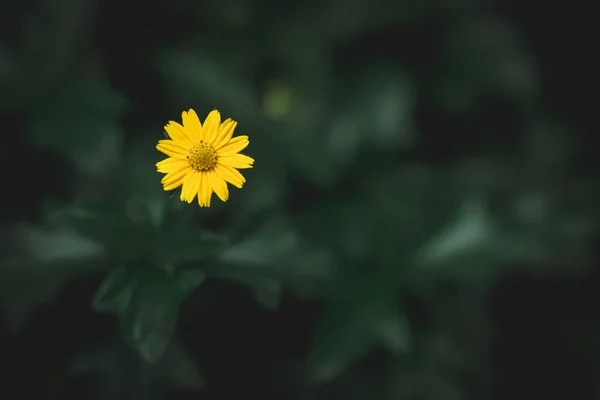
(230,175)
(179,134)
(225,133)
(175,176)
(211,126)
(171,165)
(192,125)
(190,187)
(173,186)
(219,186)
(185,187)
(238,161)
(234,146)
(172,149)
(205,191)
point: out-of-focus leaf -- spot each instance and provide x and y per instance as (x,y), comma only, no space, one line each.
(278,99)
(194,79)
(362,311)
(178,369)
(116,230)
(189,279)
(269,248)
(146,299)
(140,181)
(150,320)
(379,112)
(298,115)
(116,291)
(346,134)
(545,236)
(185,244)
(80,121)
(343,20)
(279,253)
(266,193)
(385,218)
(41,260)
(472,232)
(38,262)
(228,14)
(302,53)
(136,194)
(389,100)
(344,225)
(485,54)
(132,234)
(51,37)
(112,361)
(46,245)
(300,132)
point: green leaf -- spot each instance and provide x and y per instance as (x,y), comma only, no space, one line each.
(189,279)
(150,320)
(116,291)
(113,363)
(194,78)
(141,183)
(147,301)
(346,135)
(484,55)
(133,235)
(42,256)
(122,236)
(471,232)
(178,369)
(303,134)
(50,40)
(80,120)
(182,244)
(468,248)
(280,254)
(39,261)
(361,312)
(389,99)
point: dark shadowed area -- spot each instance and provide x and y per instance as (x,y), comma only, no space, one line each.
(421,222)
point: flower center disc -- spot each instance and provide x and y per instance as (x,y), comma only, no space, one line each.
(203,157)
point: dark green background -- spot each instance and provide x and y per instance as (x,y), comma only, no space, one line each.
(421,222)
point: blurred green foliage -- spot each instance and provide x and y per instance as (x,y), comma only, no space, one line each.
(401,148)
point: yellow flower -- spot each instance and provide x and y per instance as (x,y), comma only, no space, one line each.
(202,158)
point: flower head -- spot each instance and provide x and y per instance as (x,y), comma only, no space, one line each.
(202,158)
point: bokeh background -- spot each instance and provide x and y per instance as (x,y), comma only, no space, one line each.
(421,222)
